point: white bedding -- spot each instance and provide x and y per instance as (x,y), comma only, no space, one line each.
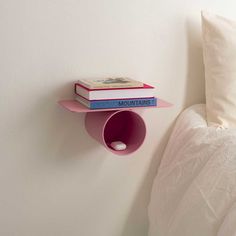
(194,192)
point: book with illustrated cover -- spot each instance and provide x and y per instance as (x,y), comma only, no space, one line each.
(117,103)
(108,83)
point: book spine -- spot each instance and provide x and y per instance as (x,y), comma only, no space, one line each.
(123,103)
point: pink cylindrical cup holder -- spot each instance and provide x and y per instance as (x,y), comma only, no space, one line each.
(109,126)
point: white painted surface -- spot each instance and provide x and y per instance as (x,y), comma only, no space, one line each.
(54,179)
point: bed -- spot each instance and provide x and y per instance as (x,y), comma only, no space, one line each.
(194,192)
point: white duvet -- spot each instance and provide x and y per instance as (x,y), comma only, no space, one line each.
(194,192)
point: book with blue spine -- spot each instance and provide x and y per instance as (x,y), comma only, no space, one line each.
(118,103)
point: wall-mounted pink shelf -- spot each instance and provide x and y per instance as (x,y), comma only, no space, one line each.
(116,124)
(74,106)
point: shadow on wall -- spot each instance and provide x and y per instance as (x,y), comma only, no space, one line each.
(194,93)
(59,134)
(67,128)
(137,223)
(195,82)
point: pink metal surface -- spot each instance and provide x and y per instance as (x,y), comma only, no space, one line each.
(74,106)
(123,125)
(117,124)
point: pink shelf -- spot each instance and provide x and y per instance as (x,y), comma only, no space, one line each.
(74,106)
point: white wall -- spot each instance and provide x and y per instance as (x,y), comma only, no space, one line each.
(54,179)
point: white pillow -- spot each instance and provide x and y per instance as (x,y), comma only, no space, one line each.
(219,53)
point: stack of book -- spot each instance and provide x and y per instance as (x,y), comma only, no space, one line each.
(114,93)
